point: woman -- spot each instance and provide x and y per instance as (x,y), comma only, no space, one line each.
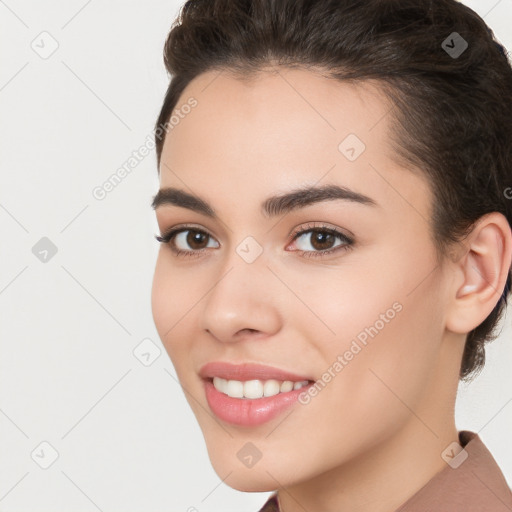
(334,211)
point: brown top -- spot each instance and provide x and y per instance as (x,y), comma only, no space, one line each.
(473,482)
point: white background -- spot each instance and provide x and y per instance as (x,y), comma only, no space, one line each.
(126,438)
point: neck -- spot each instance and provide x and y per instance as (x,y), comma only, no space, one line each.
(380,480)
(386,473)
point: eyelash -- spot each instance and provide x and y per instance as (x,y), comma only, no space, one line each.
(168,236)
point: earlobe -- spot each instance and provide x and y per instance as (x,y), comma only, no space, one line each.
(484,267)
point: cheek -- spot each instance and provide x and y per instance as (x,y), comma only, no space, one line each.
(171,298)
(385,323)
(388,295)
(161,299)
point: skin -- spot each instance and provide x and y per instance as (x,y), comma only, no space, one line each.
(375,433)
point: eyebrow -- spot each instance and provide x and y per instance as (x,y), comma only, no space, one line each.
(272,206)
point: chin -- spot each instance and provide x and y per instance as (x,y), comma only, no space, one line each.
(262,477)
(248,481)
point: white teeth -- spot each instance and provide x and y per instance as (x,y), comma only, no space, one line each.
(218,383)
(234,388)
(287,385)
(255,388)
(271,388)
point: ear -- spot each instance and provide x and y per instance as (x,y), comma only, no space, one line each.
(481,271)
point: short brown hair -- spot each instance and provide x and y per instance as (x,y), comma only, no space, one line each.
(452,116)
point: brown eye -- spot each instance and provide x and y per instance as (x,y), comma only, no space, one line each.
(320,240)
(192,240)
(196,239)
(187,241)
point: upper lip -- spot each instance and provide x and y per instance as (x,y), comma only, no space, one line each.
(247,371)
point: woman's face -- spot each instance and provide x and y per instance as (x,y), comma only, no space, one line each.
(362,303)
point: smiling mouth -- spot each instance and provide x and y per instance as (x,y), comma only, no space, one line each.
(256,388)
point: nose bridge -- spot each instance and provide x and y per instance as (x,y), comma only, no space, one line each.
(239,298)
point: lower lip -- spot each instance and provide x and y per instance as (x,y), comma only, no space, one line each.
(249,412)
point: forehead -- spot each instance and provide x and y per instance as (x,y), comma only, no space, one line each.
(289,103)
(283,128)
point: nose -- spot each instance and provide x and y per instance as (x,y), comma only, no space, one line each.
(243,300)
